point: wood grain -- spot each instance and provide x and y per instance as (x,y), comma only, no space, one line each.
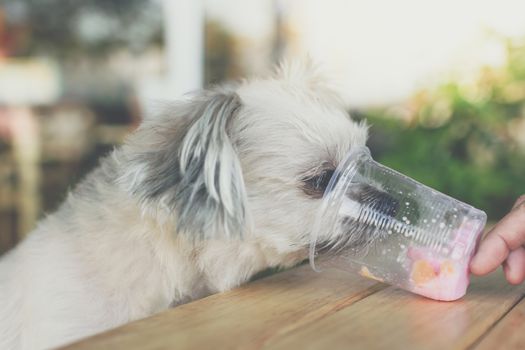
(245,318)
(508,334)
(395,319)
(300,309)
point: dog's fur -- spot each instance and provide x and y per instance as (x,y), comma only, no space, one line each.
(218,187)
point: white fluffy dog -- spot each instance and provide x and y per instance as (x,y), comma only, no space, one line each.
(219,187)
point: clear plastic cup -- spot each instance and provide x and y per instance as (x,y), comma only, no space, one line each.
(387,226)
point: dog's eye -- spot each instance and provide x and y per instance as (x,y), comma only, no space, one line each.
(315,186)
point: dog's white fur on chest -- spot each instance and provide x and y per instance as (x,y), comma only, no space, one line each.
(216,188)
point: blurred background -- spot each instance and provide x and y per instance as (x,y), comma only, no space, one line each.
(442,83)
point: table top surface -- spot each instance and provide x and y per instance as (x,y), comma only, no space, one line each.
(302,309)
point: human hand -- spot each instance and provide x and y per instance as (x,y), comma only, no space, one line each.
(504,244)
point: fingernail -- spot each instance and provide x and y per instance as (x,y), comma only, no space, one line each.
(474,264)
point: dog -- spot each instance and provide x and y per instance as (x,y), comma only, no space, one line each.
(217,187)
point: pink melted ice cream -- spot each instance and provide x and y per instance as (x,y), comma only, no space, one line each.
(441,278)
(435,278)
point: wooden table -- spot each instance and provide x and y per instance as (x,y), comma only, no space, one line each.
(301,309)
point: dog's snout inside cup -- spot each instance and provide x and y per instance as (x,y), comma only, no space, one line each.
(356,228)
(365,195)
(384,225)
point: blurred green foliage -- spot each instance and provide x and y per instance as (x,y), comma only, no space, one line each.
(466,139)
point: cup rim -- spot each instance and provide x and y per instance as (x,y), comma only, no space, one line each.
(332,198)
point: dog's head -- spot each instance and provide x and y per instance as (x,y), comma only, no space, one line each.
(246,161)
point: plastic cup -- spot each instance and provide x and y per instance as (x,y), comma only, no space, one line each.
(389,227)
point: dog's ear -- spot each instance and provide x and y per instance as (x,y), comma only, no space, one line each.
(185,162)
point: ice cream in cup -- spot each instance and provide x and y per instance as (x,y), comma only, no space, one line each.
(389,227)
